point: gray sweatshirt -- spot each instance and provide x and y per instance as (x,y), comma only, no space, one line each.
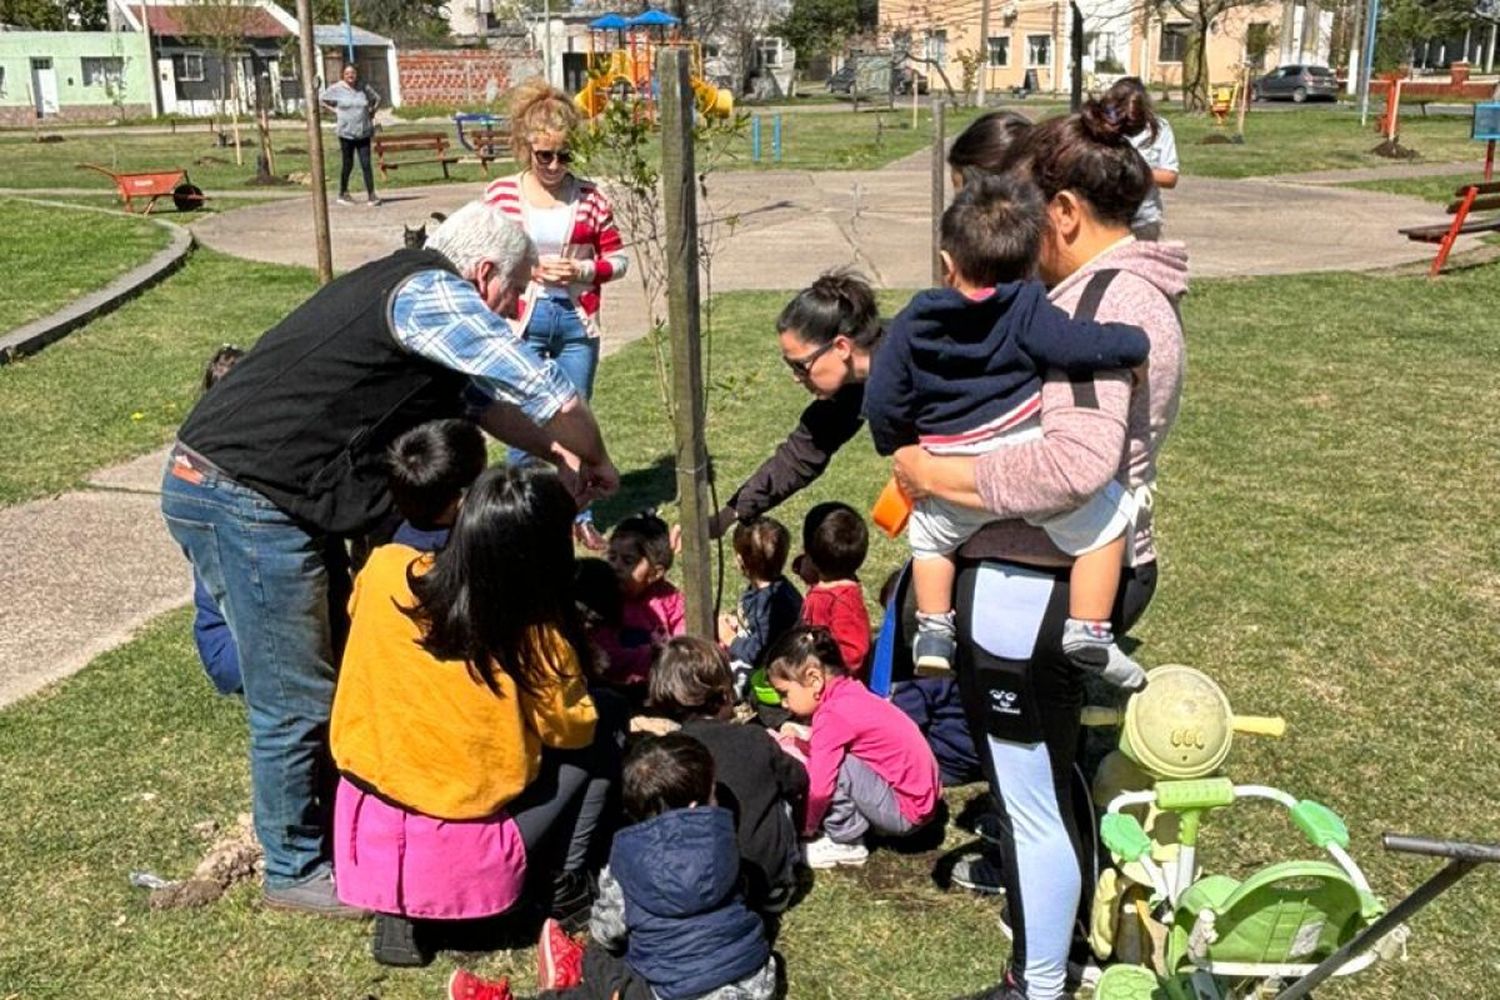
(354,108)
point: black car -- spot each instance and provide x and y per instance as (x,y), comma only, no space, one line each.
(1298,82)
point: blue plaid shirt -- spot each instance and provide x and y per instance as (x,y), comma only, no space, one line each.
(440,316)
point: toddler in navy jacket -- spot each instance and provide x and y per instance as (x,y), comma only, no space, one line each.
(770,605)
(960,372)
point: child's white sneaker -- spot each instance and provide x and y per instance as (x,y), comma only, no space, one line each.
(824,853)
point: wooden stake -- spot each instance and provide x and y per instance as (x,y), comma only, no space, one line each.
(939,176)
(679,194)
(314,140)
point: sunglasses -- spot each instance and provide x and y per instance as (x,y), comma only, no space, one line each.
(546,157)
(802,367)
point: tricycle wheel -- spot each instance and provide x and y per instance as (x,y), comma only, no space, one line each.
(187,197)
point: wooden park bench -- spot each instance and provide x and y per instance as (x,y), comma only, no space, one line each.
(1469,199)
(433,143)
(490,143)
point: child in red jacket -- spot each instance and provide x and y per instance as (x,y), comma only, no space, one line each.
(834,543)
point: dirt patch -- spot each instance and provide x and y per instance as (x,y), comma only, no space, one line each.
(233,856)
(1392,149)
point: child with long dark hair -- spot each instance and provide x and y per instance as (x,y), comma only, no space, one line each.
(462,728)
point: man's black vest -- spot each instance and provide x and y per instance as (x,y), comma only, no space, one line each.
(307,415)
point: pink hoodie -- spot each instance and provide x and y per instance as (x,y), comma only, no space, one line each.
(1084,443)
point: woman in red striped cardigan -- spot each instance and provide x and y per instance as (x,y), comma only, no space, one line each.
(578,244)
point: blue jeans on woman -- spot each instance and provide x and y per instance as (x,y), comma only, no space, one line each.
(555,332)
(281,590)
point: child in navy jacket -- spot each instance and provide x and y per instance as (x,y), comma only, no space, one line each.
(669,922)
(960,372)
(770,605)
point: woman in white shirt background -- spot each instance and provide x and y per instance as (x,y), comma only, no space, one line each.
(1157,145)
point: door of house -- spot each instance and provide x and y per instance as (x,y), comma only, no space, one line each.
(43,87)
(166,85)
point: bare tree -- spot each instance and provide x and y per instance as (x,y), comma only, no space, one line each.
(220,26)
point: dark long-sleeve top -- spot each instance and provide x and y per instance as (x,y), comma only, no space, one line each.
(826,425)
(950,364)
(766,613)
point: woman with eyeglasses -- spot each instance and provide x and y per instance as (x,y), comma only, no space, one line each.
(578,245)
(829,333)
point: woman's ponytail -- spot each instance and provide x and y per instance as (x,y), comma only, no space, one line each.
(838,303)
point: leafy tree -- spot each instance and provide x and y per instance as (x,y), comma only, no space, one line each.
(420,21)
(53,15)
(822,27)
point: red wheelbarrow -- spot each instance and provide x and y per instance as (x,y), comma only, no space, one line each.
(153,185)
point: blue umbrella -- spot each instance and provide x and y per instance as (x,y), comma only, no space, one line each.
(653,19)
(609,22)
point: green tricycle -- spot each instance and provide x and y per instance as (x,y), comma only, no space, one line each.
(1176,933)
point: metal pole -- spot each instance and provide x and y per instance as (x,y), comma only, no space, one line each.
(939,175)
(547,40)
(1367,938)
(680,193)
(776,137)
(1075,96)
(984,53)
(755,139)
(314,140)
(348,32)
(1372,22)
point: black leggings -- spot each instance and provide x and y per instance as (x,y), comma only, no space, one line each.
(1021,699)
(347,148)
(563,815)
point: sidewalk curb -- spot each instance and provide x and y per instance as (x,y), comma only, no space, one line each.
(33,336)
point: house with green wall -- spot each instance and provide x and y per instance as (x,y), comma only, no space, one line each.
(74,76)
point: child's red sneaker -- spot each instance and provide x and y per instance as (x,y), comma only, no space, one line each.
(559,959)
(464,985)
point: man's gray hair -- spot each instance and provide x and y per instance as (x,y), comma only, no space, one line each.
(478,233)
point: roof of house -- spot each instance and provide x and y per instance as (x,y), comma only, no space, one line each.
(332,36)
(199,19)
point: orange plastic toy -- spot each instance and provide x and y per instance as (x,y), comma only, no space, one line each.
(892,509)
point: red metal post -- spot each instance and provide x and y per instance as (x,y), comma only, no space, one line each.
(1446,246)
(1489,161)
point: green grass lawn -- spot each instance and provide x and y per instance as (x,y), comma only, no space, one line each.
(1288,142)
(121,385)
(1326,507)
(51,256)
(25,163)
(1434,189)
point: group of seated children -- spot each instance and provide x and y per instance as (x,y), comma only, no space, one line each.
(480,731)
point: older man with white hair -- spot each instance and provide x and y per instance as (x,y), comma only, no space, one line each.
(284,459)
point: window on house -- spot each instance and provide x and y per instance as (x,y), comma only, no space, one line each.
(768,52)
(1174,42)
(937,47)
(103,71)
(1038,50)
(999,49)
(188,67)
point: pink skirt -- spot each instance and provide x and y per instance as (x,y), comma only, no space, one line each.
(390,860)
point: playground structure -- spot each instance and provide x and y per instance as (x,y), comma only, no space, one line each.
(622,57)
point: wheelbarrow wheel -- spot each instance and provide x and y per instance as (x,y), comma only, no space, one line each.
(187,197)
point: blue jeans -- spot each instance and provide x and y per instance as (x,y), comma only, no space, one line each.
(554,332)
(275,583)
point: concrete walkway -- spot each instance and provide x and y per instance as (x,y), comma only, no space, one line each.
(95,565)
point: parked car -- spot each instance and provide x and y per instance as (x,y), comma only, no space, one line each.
(842,82)
(1298,82)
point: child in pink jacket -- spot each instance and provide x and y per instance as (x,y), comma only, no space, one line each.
(868,766)
(652,610)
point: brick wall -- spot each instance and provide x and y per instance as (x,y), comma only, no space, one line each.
(24,115)
(460,76)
